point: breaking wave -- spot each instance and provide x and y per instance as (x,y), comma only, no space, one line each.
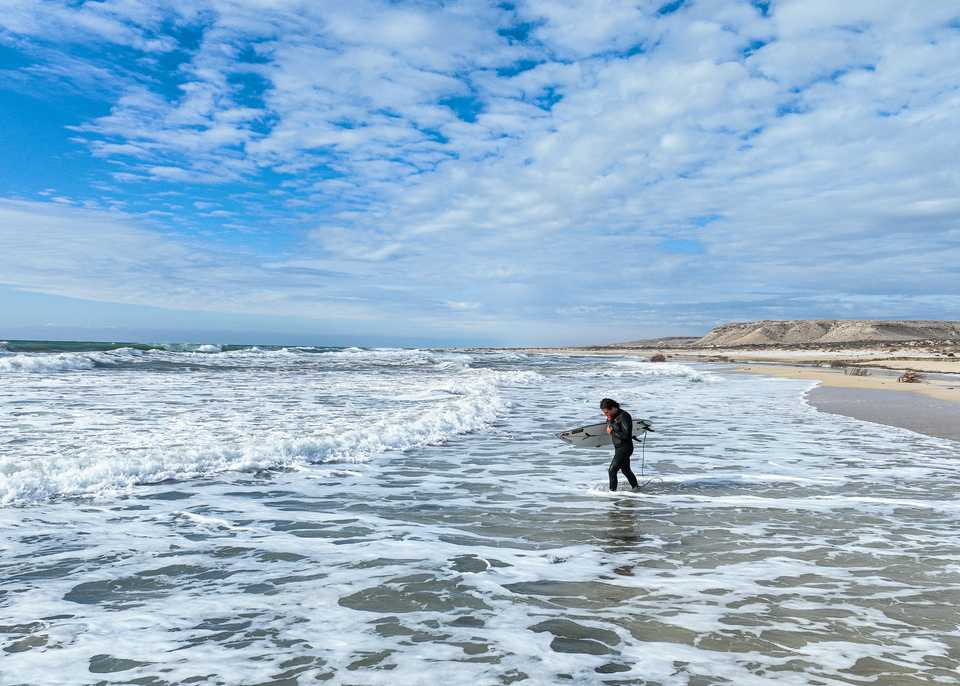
(177,434)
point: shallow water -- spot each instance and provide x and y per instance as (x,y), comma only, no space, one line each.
(408,517)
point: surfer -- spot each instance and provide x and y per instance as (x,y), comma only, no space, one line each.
(620,428)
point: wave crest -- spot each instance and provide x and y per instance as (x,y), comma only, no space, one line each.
(38,364)
(190,441)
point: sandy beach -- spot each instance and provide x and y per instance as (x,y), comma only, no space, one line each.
(944,387)
(928,407)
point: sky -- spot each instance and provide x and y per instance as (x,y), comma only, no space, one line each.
(473,173)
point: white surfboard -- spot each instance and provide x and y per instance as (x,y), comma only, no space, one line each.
(596,435)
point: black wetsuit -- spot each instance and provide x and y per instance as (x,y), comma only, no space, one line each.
(622,435)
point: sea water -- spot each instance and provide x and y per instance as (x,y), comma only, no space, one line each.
(380,517)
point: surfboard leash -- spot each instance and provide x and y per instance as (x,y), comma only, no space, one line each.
(643,460)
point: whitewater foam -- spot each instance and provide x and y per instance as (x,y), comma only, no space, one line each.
(383,518)
(20,363)
(208,422)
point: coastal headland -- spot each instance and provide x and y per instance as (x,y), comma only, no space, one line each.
(900,373)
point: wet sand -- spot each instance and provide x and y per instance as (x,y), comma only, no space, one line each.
(913,411)
(931,407)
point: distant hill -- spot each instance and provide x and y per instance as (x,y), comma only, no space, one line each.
(828,331)
(668,342)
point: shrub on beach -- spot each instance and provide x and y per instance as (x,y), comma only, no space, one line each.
(658,358)
(911,377)
(857,371)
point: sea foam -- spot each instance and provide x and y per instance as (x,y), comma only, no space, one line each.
(404,517)
(20,363)
(102,433)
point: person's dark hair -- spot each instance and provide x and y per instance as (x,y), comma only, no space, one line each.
(608,404)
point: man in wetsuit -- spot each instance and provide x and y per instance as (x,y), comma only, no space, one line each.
(620,428)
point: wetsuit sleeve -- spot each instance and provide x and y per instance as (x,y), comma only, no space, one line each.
(622,427)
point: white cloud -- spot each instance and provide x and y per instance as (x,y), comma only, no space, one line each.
(107,256)
(475,166)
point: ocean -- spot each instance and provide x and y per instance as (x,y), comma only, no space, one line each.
(366,517)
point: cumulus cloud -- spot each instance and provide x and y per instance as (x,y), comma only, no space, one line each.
(635,167)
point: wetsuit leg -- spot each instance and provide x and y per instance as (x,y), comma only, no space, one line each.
(621,463)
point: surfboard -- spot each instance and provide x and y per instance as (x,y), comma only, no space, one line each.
(596,435)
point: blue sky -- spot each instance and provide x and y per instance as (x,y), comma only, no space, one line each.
(473,173)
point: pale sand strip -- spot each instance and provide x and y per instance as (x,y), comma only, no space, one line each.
(933,387)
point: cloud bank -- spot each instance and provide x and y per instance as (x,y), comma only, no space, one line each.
(536,172)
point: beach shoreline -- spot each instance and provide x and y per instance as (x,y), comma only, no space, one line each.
(928,360)
(929,407)
(941,386)
(862,383)
(832,366)
(913,411)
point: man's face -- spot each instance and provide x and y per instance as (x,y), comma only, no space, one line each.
(609,412)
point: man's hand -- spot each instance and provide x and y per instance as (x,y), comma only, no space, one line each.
(609,429)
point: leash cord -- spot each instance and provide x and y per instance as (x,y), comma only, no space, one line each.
(643,460)
(643,453)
